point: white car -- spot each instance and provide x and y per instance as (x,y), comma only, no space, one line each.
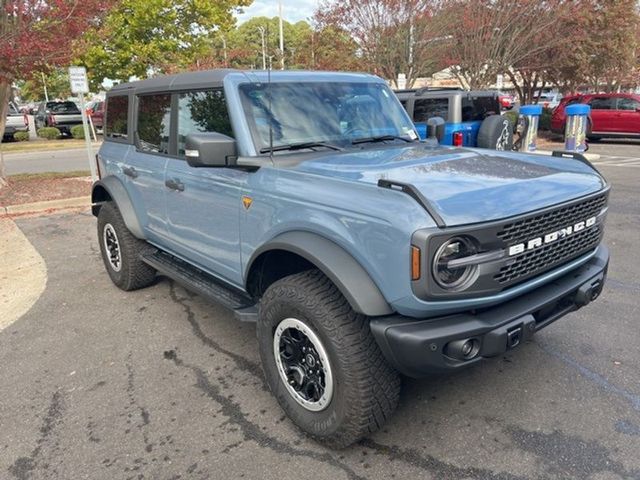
(16,122)
(550,100)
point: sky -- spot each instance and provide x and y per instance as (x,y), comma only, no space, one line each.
(292,10)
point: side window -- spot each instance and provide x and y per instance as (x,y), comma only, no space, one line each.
(202,111)
(425,108)
(479,108)
(154,114)
(628,104)
(602,103)
(117,117)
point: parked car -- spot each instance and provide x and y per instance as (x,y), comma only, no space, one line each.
(304,201)
(550,100)
(95,110)
(507,101)
(16,122)
(62,115)
(472,119)
(615,115)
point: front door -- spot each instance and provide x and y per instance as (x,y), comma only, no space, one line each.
(603,113)
(203,204)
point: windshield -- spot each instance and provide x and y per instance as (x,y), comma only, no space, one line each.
(337,113)
(62,107)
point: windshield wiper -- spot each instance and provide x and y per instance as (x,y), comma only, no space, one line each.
(299,146)
(379,138)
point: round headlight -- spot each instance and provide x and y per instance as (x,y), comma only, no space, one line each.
(454,277)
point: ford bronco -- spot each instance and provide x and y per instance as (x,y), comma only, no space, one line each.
(305,201)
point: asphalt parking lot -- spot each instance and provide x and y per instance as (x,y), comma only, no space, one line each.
(158,384)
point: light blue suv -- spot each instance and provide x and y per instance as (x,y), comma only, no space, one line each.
(306,202)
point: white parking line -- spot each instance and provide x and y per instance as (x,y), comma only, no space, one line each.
(618,161)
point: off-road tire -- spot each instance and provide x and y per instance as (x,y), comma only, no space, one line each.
(134,273)
(366,387)
(494,130)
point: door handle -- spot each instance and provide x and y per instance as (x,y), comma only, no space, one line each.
(130,172)
(175,184)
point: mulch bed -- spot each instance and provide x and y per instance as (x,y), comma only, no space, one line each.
(37,189)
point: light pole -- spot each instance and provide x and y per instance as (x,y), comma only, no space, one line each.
(262,30)
(281,35)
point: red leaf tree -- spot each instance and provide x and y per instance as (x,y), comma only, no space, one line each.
(38,34)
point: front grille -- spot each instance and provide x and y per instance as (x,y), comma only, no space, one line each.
(527,228)
(549,256)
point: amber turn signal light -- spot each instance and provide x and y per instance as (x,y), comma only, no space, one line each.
(415,263)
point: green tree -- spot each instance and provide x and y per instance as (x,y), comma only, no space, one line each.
(144,37)
(57,83)
(245,43)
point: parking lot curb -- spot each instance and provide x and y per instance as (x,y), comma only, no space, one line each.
(46,206)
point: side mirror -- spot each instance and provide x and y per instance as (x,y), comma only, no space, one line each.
(210,150)
(435,128)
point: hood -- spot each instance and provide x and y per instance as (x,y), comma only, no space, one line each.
(466,185)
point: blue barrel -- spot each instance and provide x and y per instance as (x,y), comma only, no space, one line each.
(528,122)
(575,132)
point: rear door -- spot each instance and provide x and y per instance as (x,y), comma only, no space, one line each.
(628,115)
(145,165)
(603,114)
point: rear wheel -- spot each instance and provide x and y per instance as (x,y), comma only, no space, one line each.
(322,362)
(121,251)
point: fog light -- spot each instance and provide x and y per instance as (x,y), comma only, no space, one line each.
(465,349)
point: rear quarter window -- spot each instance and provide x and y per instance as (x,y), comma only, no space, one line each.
(479,108)
(117,113)
(426,108)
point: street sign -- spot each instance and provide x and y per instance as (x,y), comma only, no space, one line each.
(78,80)
(80,86)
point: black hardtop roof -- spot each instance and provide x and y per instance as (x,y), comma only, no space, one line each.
(215,78)
(179,81)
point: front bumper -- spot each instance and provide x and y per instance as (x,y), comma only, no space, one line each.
(418,348)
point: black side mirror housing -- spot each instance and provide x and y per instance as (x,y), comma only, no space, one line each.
(435,128)
(210,150)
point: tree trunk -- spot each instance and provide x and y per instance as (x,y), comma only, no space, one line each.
(5,93)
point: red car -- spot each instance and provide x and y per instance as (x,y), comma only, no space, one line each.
(506,101)
(612,115)
(96,111)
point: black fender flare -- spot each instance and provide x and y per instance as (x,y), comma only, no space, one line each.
(343,270)
(117,193)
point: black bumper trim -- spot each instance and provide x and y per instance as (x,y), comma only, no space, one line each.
(416,348)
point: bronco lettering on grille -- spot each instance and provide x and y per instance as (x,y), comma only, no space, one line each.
(551,237)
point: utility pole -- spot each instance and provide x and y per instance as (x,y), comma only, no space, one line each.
(224,50)
(44,84)
(281,36)
(264,51)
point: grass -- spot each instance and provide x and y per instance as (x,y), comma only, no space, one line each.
(49,175)
(39,145)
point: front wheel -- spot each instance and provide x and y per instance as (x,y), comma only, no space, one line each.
(322,362)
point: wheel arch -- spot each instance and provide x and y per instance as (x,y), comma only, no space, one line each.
(111,189)
(293,252)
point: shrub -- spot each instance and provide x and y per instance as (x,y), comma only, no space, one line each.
(21,136)
(545,119)
(50,133)
(77,132)
(512,116)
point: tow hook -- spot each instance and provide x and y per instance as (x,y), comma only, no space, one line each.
(589,291)
(514,337)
